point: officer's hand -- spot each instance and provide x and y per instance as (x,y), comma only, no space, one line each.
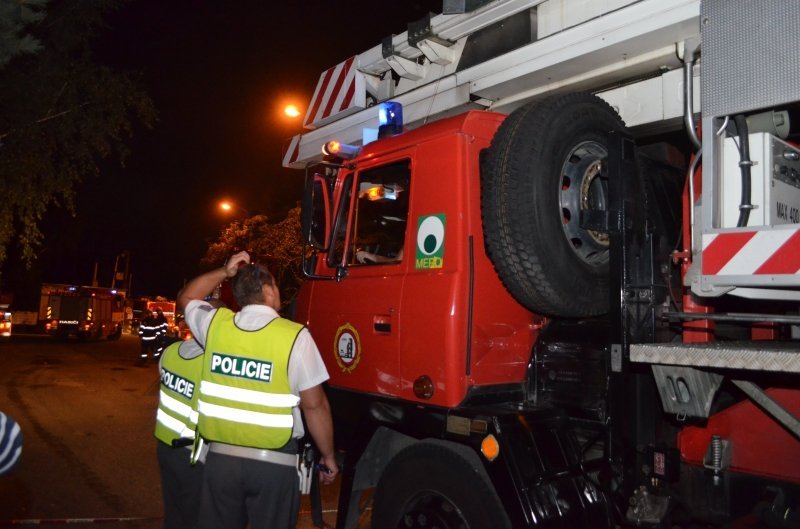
(328,470)
(232,265)
(363,257)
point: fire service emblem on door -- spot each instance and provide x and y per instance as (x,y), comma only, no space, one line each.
(347,347)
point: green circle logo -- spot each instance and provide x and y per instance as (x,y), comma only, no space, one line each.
(430,235)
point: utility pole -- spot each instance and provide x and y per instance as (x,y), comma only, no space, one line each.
(123,276)
(114,276)
(127,280)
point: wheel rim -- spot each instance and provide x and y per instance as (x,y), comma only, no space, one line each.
(584,187)
(430,510)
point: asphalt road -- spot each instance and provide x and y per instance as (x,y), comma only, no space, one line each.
(86,412)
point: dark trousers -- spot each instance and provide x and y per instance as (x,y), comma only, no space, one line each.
(148,348)
(181,486)
(237,490)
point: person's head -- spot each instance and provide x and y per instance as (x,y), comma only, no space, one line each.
(254,285)
(160,312)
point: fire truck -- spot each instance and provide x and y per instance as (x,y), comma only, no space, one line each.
(80,311)
(552,250)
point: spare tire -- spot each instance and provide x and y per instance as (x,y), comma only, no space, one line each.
(546,163)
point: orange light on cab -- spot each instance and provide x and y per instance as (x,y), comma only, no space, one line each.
(340,150)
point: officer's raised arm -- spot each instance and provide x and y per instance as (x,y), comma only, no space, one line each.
(202,285)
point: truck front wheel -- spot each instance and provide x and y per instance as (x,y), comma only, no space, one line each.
(545,168)
(428,485)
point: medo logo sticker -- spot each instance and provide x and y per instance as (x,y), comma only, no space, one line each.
(430,241)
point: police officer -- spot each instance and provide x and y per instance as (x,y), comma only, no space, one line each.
(176,420)
(259,371)
(148,334)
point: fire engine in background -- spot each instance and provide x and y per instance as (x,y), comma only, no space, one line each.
(562,294)
(5,320)
(168,308)
(83,312)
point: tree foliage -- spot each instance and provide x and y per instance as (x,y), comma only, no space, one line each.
(277,245)
(60,113)
(15,18)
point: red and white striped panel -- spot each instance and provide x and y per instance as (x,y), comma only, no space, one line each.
(291,151)
(339,89)
(762,252)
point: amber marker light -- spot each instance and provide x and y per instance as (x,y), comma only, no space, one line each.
(490,448)
(375,193)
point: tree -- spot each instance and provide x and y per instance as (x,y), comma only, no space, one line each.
(15,17)
(60,113)
(278,246)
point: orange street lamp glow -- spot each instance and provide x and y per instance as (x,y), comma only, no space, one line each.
(291,110)
(228,207)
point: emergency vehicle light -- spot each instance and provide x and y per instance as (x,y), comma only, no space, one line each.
(375,193)
(378,192)
(340,150)
(390,119)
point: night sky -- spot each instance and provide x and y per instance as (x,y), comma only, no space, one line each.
(218,73)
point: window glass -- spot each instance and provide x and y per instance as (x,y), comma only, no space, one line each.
(336,255)
(380,214)
(319,216)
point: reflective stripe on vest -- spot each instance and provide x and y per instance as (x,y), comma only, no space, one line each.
(245,397)
(176,416)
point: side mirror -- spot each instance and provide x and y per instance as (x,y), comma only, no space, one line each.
(309,264)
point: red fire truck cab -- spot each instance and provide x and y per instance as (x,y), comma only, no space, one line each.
(433,313)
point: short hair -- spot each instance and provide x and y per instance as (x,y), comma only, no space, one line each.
(248,282)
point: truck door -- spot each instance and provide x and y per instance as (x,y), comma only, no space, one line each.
(359,316)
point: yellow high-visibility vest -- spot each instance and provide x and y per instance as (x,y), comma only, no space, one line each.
(245,398)
(177,402)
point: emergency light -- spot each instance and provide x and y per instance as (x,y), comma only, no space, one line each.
(390,119)
(375,193)
(340,150)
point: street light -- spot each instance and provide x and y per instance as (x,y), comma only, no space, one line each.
(228,207)
(291,111)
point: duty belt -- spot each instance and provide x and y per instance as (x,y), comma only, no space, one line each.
(269,456)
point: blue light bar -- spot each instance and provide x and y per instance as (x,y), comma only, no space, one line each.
(390,119)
